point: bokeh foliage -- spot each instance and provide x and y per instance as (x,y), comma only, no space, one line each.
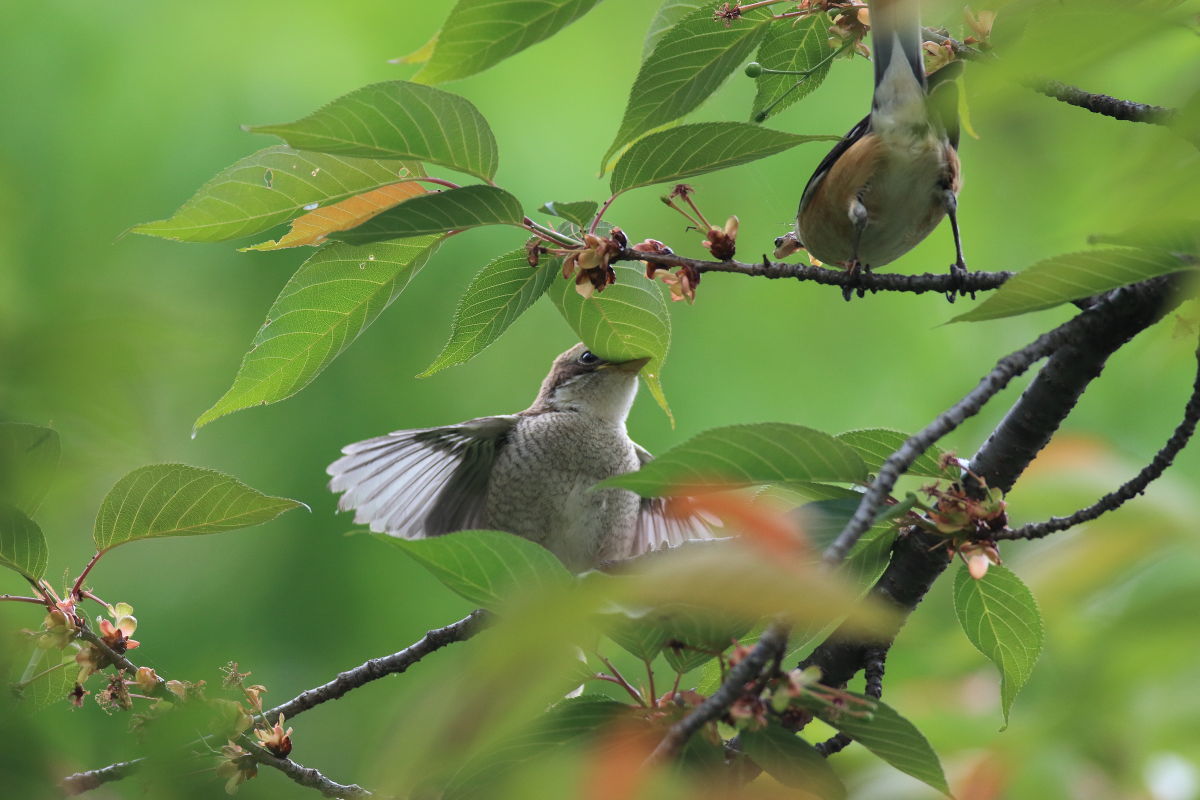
(121,345)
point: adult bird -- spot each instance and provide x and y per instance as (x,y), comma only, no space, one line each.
(531,473)
(887,184)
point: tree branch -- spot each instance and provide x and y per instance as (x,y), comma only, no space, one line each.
(770,647)
(305,776)
(1132,488)
(871,281)
(918,557)
(1126,110)
(363,674)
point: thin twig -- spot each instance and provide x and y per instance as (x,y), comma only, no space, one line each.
(78,587)
(770,646)
(1126,110)
(1132,488)
(305,776)
(369,671)
(873,281)
(19,599)
(121,662)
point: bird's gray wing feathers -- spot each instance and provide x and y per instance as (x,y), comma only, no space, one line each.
(658,529)
(422,482)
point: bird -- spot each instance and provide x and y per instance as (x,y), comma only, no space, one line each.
(531,473)
(887,183)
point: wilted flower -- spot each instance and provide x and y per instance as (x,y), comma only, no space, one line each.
(748,711)
(590,264)
(721,241)
(978,556)
(275,739)
(937,55)
(254,696)
(115,696)
(851,25)
(657,248)
(727,13)
(58,630)
(77,694)
(682,283)
(981,23)
(147,679)
(237,767)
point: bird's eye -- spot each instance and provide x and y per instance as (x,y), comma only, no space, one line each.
(589,359)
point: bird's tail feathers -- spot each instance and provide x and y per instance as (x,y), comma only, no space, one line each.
(896,38)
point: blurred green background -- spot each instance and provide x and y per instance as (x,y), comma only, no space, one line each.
(115,113)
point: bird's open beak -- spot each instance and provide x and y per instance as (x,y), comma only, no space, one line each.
(633,366)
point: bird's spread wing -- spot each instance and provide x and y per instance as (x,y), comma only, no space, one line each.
(421,482)
(657,528)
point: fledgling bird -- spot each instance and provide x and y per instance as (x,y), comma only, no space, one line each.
(531,473)
(887,184)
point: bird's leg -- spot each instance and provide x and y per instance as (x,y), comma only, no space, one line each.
(959,268)
(858,218)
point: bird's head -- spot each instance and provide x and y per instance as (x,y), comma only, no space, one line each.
(582,381)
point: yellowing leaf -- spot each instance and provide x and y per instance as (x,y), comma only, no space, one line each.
(313,227)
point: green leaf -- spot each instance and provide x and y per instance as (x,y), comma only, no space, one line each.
(628,320)
(496,296)
(688,64)
(485,567)
(1001,618)
(46,679)
(28,458)
(889,736)
(1171,234)
(269,188)
(178,500)
(397,119)
(669,14)
(570,721)
(695,634)
(640,636)
(689,150)
(824,519)
(22,545)
(478,35)
(1068,277)
(438,212)
(799,47)
(745,455)
(793,762)
(332,298)
(580,212)
(876,445)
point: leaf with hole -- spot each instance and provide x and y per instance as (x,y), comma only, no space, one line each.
(793,762)
(179,500)
(485,567)
(496,296)
(397,119)
(334,296)
(688,150)
(314,227)
(22,545)
(439,212)
(888,735)
(478,35)
(687,65)
(876,445)
(269,188)
(1072,276)
(746,455)
(1000,617)
(799,46)
(28,459)
(580,212)
(628,320)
